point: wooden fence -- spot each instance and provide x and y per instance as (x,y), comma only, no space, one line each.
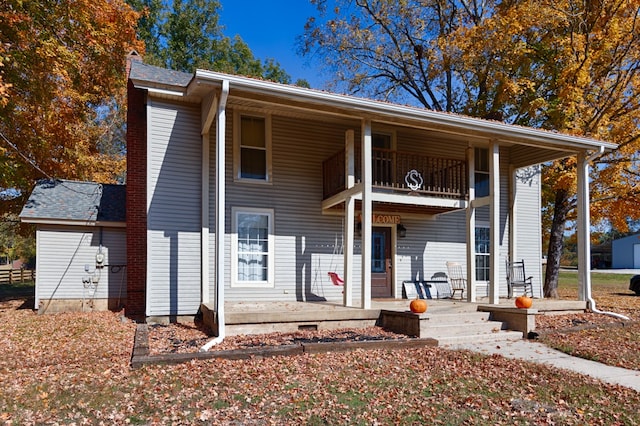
(10,276)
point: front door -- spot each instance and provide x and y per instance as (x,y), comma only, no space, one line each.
(381,262)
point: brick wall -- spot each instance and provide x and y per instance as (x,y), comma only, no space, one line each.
(136,203)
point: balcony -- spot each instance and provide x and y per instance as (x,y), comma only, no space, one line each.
(401,173)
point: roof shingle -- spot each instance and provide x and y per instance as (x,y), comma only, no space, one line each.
(76,201)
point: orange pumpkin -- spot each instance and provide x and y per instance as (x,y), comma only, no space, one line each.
(418,306)
(524,302)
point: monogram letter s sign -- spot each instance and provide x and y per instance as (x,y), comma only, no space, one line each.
(414,180)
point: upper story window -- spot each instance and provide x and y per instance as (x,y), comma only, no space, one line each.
(481,175)
(252,143)
(382,158)
(381,140)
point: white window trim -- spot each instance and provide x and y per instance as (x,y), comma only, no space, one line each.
(477,253)
(237,114)
(270,283)
(386,131)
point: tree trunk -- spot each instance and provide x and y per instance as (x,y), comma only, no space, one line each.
(556,242)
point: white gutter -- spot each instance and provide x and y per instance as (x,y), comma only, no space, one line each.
(591,303)
(220,214)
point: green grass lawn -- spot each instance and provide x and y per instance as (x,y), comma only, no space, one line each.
(569,279)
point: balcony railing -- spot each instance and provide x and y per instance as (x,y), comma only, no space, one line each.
(404,172)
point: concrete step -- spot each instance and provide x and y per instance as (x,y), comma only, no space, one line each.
(455,318)
(468,328)
(500,336)
(448,328)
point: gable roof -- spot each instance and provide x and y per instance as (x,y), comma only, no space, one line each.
(73,202)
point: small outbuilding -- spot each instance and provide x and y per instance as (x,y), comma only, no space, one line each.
(81,255)
(626,252)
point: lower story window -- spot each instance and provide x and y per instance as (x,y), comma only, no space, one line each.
(482,253)
(252,247)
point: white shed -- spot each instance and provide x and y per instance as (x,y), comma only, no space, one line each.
(81,254)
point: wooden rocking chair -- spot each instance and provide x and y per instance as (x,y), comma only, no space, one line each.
(517,278)
(457,278)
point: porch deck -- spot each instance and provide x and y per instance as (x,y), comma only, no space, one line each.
(287,317)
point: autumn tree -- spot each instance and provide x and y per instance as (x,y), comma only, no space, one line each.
(569,66)
(185,35)
(586,82)
(15,244)
(62,65)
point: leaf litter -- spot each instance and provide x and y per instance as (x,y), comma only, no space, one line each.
(73,368)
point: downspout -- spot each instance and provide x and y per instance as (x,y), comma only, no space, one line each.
(591,303)
(220,214)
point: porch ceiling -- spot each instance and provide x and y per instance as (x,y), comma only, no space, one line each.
(396,209)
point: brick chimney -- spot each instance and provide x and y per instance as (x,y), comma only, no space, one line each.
(136,197)
(132,56)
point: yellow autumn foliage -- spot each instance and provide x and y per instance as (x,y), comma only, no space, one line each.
(62,62)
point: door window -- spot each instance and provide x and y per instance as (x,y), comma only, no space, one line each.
(378,255)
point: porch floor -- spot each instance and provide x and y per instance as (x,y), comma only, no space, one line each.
(286,317)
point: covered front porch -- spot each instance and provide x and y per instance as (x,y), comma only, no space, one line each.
(446,320)
(362,182)
(362,179)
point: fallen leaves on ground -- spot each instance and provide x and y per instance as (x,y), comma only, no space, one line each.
(73,368)
(185,338)
(600,337)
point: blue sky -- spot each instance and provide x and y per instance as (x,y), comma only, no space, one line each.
(270,28)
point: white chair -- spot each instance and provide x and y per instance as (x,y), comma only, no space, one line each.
(457,278)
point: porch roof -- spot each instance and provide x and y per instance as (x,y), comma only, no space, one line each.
(530,146)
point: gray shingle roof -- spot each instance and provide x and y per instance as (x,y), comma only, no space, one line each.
(144,72)
(75,201)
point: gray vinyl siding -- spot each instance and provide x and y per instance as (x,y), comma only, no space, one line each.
(412,141)
(306,242)
(63,252)
(429,244)
(528,225)
(173,221)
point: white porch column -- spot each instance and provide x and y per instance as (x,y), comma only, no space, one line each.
(471,228)
(221,201)
(208,111)
(367,210)
(349,218)
(204,216)
(584,225)
(494,222)
(512,214)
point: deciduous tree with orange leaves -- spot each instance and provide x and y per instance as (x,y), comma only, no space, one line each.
(61,72)
(563,65)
